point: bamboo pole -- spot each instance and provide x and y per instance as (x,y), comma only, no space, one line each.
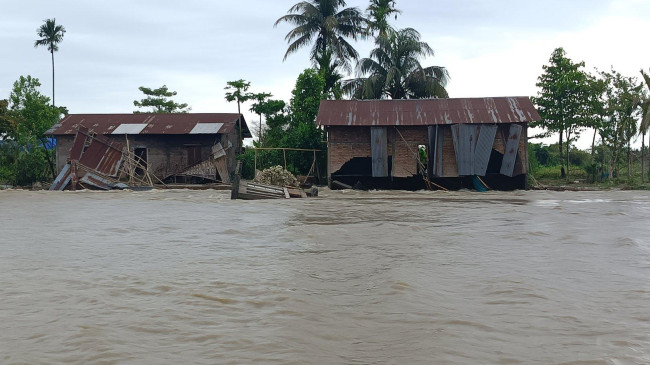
(284,148)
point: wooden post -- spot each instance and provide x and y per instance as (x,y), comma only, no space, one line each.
(255,165)
(234,192)
(317,169)
(284,152)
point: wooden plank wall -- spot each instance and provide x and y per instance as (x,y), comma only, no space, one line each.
(464,143)
(379,150)
(483,150)
(511,151)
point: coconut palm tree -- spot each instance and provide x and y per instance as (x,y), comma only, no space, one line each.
(378,13)
(51,35)
(394,70)
(326,24)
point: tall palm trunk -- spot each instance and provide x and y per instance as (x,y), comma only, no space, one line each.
(53,102)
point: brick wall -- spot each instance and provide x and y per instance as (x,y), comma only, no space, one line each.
(346,143)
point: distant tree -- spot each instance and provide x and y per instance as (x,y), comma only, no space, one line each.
(305,101)
(258,108)
(306,98)
(394,70)
(277,120)
(378,13)
(623,98)
(237,91)
(32,115)
(327,24)
(159,102)
(596,108)
(51,35)
(563,101)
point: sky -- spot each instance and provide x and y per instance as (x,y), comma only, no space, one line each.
(490,47)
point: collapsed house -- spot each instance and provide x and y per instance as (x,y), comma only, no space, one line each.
(428,143)
(146,148)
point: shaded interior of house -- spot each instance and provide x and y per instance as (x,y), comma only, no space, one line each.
(476,143)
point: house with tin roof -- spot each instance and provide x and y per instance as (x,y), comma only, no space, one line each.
(428,143)
(167,145)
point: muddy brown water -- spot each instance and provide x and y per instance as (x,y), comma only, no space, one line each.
(168,277)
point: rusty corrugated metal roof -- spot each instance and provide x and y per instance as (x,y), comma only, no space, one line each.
(426,111)
(155,123)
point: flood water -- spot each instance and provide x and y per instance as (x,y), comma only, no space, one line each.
(169,277)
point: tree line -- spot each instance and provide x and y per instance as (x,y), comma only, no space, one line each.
(614,107)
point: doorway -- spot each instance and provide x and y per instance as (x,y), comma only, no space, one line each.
(193,155)
(141,158)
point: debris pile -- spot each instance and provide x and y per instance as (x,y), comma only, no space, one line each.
(276,175)
(99,163)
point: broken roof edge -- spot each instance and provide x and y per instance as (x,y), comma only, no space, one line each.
(156,123)
(389,112)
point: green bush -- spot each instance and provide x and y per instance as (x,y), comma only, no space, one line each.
(547,172)
(31,167)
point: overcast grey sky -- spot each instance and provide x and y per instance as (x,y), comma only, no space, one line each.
(491,48)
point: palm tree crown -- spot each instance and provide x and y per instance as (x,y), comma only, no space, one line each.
(394,70)
(378,13)
(324,23)
(51,35)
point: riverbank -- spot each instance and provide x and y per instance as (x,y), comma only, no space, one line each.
(581,185)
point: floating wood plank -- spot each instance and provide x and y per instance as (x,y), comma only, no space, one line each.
(341,185)
(483,149)
(379,147)
(464,137)
(512,146)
